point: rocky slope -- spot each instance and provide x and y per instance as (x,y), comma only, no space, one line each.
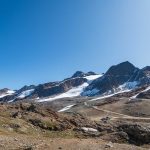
(37,121)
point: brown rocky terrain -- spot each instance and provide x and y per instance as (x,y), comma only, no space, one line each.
(36,126)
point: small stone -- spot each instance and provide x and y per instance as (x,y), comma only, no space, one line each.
(15,139)
(109,145)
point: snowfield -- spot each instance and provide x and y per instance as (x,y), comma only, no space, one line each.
(25,93)
(93,77)
(22,95)
(9,92)
(66,108)
(75,91)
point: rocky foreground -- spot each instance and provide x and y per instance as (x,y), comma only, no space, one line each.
(33,126)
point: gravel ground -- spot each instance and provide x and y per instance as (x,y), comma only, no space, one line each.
(23,142)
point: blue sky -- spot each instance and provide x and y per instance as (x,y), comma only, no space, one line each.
(47,40)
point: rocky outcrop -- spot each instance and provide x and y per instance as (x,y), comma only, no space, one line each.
(138,134)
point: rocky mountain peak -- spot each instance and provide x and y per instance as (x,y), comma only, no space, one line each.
(90,73)
(124,68)
(78,74)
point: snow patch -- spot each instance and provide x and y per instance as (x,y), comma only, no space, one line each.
(76,91)
(66,108)
(9,92)
(89,129)
(135,96)
(90,92)
(25,93)
(107,96)
(128,86)
(92,77)
(22,95)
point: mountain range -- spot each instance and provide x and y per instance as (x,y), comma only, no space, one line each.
(118,79)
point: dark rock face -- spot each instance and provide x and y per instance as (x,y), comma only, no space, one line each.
(142,76)
(144,95)
(90,73)
(115,76)
(78,74)
(122,69)
(137,134)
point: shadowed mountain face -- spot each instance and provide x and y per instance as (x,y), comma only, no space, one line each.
(144,95)
(123,69)
(119,75)
(118,78)
(114,77)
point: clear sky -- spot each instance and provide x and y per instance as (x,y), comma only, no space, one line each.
(47,40)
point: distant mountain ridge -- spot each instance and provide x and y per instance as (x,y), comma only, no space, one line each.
(119,78)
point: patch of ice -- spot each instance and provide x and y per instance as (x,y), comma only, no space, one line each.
(25,93)
(102,97)
(89,129)
(9,92)
(90,92)
(109,95)
(92,77)
(66,108)
(22,95)
(128,86)
(11,100)
(135,96)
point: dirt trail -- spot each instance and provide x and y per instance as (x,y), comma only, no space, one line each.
(122,116)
